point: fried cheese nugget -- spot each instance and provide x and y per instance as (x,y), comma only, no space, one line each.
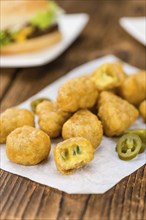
(51,118)
(84,124)
(78,93)
(72,154)
(35,102)
(27,146)
(14,118)
(116,114)
(133,89)
(142,110)
(108,76)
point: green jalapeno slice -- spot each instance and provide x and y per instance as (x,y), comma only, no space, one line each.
(128,146)
(35,102)
(142,134)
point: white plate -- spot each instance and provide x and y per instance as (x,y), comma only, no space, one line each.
(135,27)
(70,25)
(102,173)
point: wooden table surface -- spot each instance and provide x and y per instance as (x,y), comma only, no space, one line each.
(23,199)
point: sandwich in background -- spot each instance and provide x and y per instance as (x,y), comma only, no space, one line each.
(28,26)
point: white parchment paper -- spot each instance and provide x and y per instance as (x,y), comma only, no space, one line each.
(101,174)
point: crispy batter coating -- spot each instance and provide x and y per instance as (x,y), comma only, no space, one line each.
(108,76)
(72,154)
(142,110)
(37,101)
(115,113)
(78,93)
(45,106)
(120,72)
(51,118)
(59,168)
(133,89)
(14,118)
(27,146)
(84,124)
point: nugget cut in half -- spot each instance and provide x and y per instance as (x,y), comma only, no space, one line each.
(116,114)
(142,110)
(78,93)
(72,154)
(108,76)
(51,118)
(14,118)
(84,124)
(133,89)
(27,146)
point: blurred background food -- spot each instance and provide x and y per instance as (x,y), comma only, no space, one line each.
(33,27)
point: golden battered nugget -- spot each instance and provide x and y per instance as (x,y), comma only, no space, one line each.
(27,146)
(14,118)
(51,118)
(78,93)
(142,110)
(72,154)
(133,89)
(108,76)
(84,124)
(116,114)
(35,102)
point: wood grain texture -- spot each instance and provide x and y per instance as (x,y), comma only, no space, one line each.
(21,198)
(7,76)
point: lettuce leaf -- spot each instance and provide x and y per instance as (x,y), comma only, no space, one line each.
(44,19)
(5,38)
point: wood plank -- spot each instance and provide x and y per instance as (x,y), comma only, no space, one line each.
(73,206)
(122,201)
(7,76)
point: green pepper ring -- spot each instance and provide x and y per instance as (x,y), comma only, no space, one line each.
(142,134)
(128,146)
